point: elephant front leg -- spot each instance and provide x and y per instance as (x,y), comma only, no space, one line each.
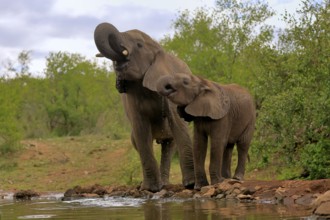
(200,149)
(168,149)
(142,139)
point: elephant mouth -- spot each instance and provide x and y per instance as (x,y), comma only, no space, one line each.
(120,66)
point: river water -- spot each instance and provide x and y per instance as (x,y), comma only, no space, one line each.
(51,207)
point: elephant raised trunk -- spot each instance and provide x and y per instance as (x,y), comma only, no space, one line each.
(109,42)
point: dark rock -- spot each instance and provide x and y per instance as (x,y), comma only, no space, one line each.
(25,195)
(305,200)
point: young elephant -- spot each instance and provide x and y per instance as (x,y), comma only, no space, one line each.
(226,113)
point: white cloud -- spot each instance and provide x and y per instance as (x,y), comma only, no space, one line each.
(68,25)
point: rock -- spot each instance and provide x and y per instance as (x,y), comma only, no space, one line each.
(224,186)
(234,181)
(70,193)
(245,197)
(280,194)
(323,209)
(322,205)
(160,194)
(257,188)
(322,198)
(209,193)
(236,192)
(25,195)
(288,201)
(197,195)
(90,195)
(220,196)
(184,194)
(204,189)
(305,200)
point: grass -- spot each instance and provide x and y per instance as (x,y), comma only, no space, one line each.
(56,164)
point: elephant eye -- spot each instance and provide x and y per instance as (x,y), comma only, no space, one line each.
(186,81)
(139,44)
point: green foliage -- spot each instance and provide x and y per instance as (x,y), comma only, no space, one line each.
(218,44)
(130,174)
(77,96)
(315,158)
(295,93)
(9,124)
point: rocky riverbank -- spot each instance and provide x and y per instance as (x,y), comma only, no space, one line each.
(312,195)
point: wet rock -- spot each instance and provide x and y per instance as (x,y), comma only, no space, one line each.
(257,188)
(223,186)
(184,194)
(70,193)
(323,210)
(305,200)
(243,197)
(288,201)
(207,191)
(25,195)
(160,194)
(280,194)
(236,192)
(322,206)
(90,195)
(220,196)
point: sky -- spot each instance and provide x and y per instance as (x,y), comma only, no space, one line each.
(43,26)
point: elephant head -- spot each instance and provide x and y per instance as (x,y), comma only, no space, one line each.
(198,97)
(135,55)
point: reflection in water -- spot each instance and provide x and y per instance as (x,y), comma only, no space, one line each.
(129,208)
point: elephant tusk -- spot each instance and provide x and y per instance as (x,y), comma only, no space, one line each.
(125,52)
(99,55)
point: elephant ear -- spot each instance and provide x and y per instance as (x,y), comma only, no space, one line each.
(212,102)
(158,69)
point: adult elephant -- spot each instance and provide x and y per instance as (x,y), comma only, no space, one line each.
(139,62)
(226,113)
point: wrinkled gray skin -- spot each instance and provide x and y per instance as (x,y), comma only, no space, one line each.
(139,62)
(226,113)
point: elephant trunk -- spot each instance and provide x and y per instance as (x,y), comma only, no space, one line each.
(109,42)
(165,86)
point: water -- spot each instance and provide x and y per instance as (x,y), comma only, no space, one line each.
(51,207)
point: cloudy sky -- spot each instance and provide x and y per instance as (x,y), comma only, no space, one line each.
(44,26)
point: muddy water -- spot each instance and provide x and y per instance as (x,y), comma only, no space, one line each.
(51,207)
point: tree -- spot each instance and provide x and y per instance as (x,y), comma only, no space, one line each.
(79,93)
(295,87)
(217,44)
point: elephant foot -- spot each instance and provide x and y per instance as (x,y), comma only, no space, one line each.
(238,177)
(189,185)
(217,180)
(199,185)
(151,187)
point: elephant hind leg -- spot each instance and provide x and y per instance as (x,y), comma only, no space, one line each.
(168,149)
(226,162)
(242,150)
